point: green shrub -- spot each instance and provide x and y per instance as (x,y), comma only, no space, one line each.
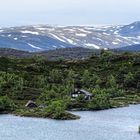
(6,104)
(56,108)
(99,102)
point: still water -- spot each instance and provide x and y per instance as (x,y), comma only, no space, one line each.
(115,124)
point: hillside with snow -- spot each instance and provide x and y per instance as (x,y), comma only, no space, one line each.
(46,37)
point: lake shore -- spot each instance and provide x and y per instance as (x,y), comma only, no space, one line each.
(67,115)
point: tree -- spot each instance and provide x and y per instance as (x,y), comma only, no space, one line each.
(10,83)
(6,104)
(106,55)
(129,80)
(48,95)
(86,78)
(69,81)
(56,109)
(111,82)
(99,102)
(56,76)
(39,59)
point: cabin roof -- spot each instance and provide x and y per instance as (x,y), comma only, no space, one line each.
(83,91)
(86,92)
(30,103)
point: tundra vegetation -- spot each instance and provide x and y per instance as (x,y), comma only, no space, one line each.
(113,79)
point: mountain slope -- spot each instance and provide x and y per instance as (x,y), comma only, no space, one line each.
(45,37)
(132,48)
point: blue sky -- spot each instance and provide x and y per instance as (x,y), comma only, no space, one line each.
(68,12)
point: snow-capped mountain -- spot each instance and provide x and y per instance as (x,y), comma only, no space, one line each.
(46,37)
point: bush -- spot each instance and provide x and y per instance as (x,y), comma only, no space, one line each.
(56,109)
(99,102)
(10,83)
(6,104)
(129,80)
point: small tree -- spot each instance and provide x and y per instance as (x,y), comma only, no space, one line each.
(129,80)
(6,104)
(111,82)
(86,78)
(10,84)
(100,101)
(56,109)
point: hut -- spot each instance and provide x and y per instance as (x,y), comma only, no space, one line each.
(78,92)
(31,104)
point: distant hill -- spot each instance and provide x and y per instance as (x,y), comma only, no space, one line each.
(8,52)
(131,30)
(66,53)
(132,48)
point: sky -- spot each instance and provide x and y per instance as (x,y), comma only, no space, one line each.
(68,12)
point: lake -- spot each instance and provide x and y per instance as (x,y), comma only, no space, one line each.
(114,124)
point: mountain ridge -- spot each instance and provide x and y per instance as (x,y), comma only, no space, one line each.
(46,37)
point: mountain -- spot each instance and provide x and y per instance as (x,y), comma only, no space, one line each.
(132,30)
(46,37)
(132,48)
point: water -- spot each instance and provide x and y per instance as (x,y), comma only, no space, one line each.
(115,124)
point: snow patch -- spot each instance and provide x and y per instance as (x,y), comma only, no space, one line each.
(70,41)
(71,30)
(118,40)
(105,33)
(105,49)
(15,38)
(132,27)
(29,32)
(99,39)
(82,35)
(116,32)
(115,43)
(24,36)
(135,42)
(35,47)
(57,37)
(62,46)
(85,31)
(41,29)
(89,28)
(54,46)
(36,26)
(9,35)
(92,45)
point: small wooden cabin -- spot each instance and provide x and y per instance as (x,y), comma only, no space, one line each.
(79,92)
(31,104)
